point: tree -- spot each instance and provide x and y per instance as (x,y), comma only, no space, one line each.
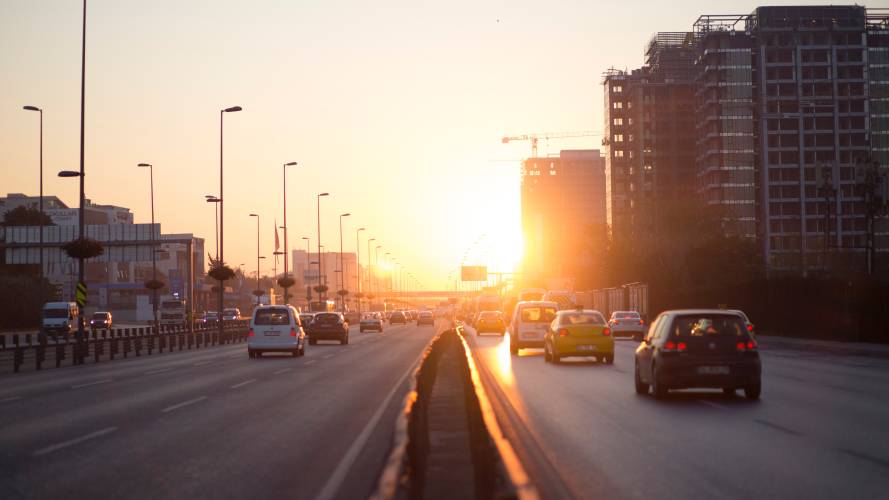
(25,216)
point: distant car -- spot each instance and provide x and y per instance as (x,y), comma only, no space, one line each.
(627,324)
(329,326)
(101,320)
(706,348)
(231,314)
(529,323)
(211,318)
(275,329)
(425,318)
(306,319)
(397,317)
(490,322)
(371,322)
(581,332)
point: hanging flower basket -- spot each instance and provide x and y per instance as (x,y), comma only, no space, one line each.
(219,271)
(342,293)
(359,295)
(320,288)
(370,296)
(154,284)
(83,248)
(259,293)
(286,282)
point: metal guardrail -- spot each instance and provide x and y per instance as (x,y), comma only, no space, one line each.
(497,472)
(106,344)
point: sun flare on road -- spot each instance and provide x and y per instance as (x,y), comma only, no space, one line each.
(504,362)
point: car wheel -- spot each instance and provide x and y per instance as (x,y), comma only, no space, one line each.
(344,340)
(546,356)
(658,389)
(251,354)
(302,350)
(641,388)
(554,355)
(609,359)
(257,354)
(752,392)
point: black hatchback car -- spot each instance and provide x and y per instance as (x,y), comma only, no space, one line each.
(328,326)
(397,317)
(698,348)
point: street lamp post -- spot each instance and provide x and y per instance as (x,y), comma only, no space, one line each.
(40,202)
(222,112)
(377,269)
(318,199)
(306,272)
(213,199)
(153,244)
(257,251)
(286,273)
(342,285)
(358,268)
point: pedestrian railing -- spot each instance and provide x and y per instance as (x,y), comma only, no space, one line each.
(43,350)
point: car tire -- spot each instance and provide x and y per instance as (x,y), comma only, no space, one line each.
(344,340)
(302,350)
(546,356)
(257,354)
(251,354)
(752,392)
(609,359)
(658,390)
(555,356)
(641,388)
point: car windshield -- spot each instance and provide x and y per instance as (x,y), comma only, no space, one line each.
(489,315)
(170,304)
(626,315)
(272,316)
(327,318)
(100,316)
(230,312)
(705,325)
(538,314)
(55,313)
(582,318)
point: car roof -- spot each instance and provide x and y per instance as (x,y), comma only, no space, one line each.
(678,312)
(537,303)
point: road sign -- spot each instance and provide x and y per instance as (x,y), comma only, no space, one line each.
(80,294)
(474,273)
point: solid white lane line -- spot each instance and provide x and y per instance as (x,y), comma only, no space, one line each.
(184,403)
(335,480)
(328,356)
(72,442)
(162,370)
(311,361)
(11,398)
(202,363)
(242,384)
(285,370)
(78,386)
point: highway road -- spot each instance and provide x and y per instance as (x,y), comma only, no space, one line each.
(821,429)
(209,423)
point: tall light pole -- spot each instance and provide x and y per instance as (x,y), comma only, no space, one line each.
(358,268)
(153,244)
(318,199)
(369,275)
(306,272)
(40,202)
(377,270)
(213,199)
(257,254)
(222,112)
(286,272)
(342,285)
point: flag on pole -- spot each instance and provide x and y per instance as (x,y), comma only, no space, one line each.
(277,242)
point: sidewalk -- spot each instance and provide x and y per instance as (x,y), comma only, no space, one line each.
(848,348)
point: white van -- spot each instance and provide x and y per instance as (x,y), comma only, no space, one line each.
(275,329)
(529,322)
(59,317)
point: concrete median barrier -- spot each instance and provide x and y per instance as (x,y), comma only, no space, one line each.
(447,442)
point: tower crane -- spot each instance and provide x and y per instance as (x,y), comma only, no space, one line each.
(534,138)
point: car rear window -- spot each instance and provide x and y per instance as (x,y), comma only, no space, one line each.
(626,315)
(272,317)
(705,325)
(55,313)
(100,316)
(327,318)
(582,318)
(538,314)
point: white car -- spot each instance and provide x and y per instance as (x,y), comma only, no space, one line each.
(529,322)
(371,321)
(627,323)
(275,329)
(231,314)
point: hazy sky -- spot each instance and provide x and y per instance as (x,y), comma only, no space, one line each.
(395,108)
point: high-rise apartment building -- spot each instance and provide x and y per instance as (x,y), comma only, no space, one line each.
(563,208)
(792,114)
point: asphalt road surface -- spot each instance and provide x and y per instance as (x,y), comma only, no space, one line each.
(209,423)
(821,429)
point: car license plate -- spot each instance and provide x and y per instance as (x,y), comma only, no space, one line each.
(586,348)
(713,370)
(530,335)
(272,334)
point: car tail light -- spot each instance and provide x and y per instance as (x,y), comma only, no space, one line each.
(641,322)
(749,327)
(669,346)
(293,332)
(606,331)
(751,345)
(682,347)
(741,346)
(563,332)
(250,333)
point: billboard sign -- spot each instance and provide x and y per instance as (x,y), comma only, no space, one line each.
(474,273)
